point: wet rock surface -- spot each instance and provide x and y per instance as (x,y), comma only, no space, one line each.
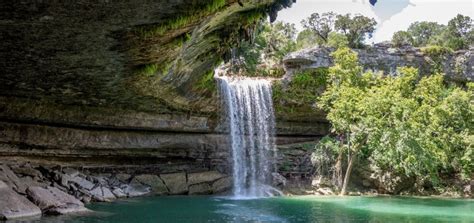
(54,190)
(53,201)
(13,205)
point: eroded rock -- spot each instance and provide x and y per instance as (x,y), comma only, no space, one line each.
(54,201)
(176,182)
(12,180)
(208,176)
(222,185)
(156,184)
(13,205)
(135,190)
(82,183)
(202,188)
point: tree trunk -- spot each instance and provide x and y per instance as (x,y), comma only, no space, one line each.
(338,170)
(348,174)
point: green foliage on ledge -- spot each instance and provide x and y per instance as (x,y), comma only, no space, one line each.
(438,55)
(150,70)
(302,92)
(181,20)
(207,82)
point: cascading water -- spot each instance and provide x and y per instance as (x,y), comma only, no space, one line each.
(251,121)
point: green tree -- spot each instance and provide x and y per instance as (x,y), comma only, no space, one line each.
(402,38)
(418,128)
(337,40)
(355,28)
(307,39)
(341,100)
(459,33)
(423,32)
(321,25)
(271,44)
(280,39)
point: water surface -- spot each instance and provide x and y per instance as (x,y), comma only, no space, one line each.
(281,209)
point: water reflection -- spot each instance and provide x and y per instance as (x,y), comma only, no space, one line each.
(281,209)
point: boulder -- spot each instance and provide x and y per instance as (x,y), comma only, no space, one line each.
(64,179)
(82,183)
(176,182)
(71,172)
(135,190)
(101,180)
(27,171)
(156,184)
(203,188)
(102,194)
(29,182)
(208,176)
(12,180)
(123,177)
(392,183)
(222,185)
(118,192)
(107,194)
(12,205)
(54,201)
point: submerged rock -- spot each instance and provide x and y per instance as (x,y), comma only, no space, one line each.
(12,205)
(54,201)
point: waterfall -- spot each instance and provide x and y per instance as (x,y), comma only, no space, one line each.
(249,111)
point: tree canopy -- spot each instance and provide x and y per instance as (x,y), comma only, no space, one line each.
(417,126)
(458,34)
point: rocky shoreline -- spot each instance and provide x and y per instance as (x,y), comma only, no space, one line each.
(27,190)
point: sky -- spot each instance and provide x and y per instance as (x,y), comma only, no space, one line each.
(391,15)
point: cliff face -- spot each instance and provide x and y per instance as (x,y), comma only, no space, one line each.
(126,86)
(122,84)
(457,66)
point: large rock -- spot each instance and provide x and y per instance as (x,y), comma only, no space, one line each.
(135,190)
(12,205)
(82,183)
(27,171)
(203,188)
(176,182)
(12,180)
(102,194)
(156,184)
(222,185)
(208,176)
(54,201)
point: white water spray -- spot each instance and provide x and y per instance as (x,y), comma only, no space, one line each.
(249,108)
